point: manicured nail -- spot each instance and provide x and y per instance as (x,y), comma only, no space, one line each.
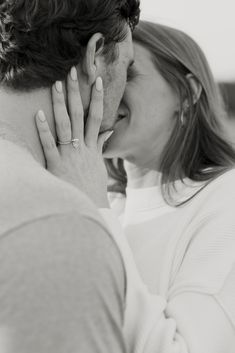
(73,74)
(59,87)
(99,84)
(41,116)
(108,135)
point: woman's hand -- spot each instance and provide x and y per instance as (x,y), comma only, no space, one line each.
(78,157)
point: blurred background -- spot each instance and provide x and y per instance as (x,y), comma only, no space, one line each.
(212,24)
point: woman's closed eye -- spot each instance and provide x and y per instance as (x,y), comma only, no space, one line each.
(132,73)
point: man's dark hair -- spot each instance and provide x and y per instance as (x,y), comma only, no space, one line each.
(40,40)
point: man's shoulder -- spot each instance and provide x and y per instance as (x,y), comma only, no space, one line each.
(63,268)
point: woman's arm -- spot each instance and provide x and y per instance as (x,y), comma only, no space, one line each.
(197,314)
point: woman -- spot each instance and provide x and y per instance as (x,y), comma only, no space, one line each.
(176,192)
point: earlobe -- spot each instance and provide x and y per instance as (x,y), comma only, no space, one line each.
(91,60)
(196,87)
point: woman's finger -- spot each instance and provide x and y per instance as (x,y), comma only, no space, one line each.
(50,150)
(62,120)
(95,114)
(75,105)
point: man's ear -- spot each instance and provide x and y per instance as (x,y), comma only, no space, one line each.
(93,53)
(196,87)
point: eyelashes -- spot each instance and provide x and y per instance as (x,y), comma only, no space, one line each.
(132,73)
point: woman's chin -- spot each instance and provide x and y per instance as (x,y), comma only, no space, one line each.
(110,151)
(113,147)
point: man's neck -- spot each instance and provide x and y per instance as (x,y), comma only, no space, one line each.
(17,117)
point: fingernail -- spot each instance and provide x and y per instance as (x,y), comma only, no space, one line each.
(99,84)
(59,87)
(73,74)
(41,116)
(109,135)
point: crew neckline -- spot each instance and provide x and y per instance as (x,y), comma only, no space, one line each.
(144,198)
(149,198)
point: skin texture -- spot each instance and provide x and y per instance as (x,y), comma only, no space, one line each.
(150,106)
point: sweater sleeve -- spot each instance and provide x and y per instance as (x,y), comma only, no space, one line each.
(204,285)
(62,288)
(197,316)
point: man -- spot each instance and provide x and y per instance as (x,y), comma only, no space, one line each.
(62,277)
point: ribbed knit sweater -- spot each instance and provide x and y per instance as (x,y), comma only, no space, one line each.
(186,258)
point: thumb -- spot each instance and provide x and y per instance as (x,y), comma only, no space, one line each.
(103,138)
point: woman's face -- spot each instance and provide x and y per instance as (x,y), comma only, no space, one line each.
(147,110)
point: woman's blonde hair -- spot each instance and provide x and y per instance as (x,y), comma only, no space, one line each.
(197,149)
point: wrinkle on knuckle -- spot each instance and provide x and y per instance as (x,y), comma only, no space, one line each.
(96,117)
(63,125)
(77,113)
(64,137)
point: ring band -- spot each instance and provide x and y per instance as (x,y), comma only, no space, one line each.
(64,142)
(74,142)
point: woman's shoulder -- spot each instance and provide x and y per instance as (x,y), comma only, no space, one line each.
(220,190)
(207,244)
(226,179)
(217,192)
